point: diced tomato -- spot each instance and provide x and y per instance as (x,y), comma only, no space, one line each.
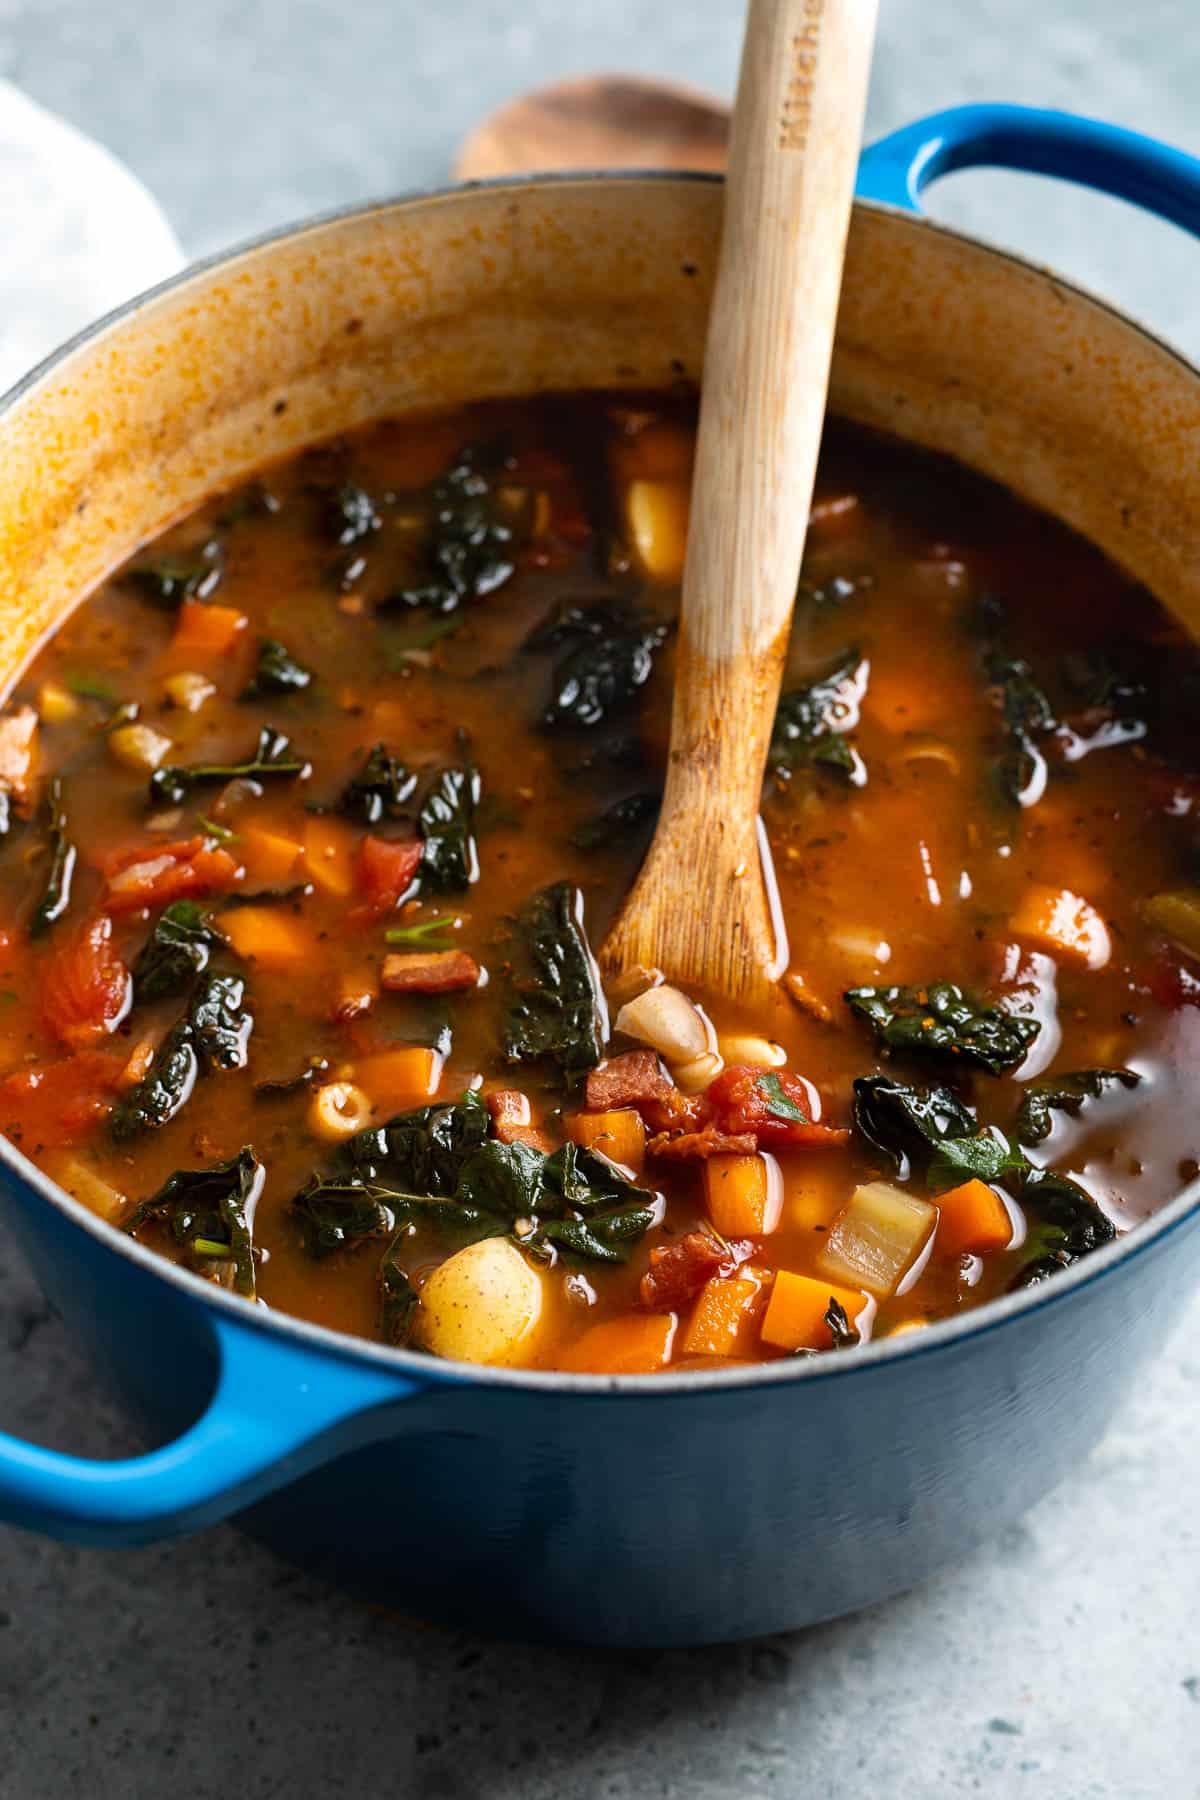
(384,870)
(55,1103)
(153,877)
(678,1271)
(779,1108)
(85,987)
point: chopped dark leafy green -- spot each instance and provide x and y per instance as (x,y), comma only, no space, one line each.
(272,758)
(167,581)
(449,861)
(56,891)
(220,1024)
(469,552)
(210,1212)
(278,896)
(843,1333)
(285,1085)
(987,1156)
(1065,1224)
(177,950)
(904,1123)
(1026,715)
(944,1020)
(340,1214)
(609,657)
(398,1299)
(555,1008)
(811,722)
(164,1089)
(276,672)
(617,823)
(351,514)
(1064,1093)
(1116,679)
(437,1168)
(380,789)
(212,1034)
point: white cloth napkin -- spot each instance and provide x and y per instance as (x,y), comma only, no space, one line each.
(78,233)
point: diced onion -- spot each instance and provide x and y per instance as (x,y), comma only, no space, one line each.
(139,746)
(189,689)
(876,1238)
(666,1020)
(481,1305)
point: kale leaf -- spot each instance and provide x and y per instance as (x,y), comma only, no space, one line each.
(1066,1224)
(942,1019)
(56,893)
(379,790)
(276,672)
(272,757)
(350,514)
(212,1034)
(177,949)
(449,860)
(469,552)
(609,657)
(1116,679)
(843,1333)
(618,823)
(398,1299)
(340,1214)
(1026,715)
(209,1212)
(811,722)
(168,581)
(555,1009)
(906,1124)
(1064,1093)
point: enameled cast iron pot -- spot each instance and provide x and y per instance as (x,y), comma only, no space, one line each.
(652,1510)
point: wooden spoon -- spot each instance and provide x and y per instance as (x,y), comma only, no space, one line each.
(599,122)
(700,910)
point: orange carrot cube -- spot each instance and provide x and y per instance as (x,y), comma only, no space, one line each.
(795,1315)
(972,1219)
(268,857)
(721,1314)
(744,1195)
(634,1344)
(329,854)
(1064,924)
(619,1134)
(269,935)
(395,1080)
(205,633)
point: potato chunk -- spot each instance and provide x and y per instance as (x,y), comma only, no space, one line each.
(482,1305)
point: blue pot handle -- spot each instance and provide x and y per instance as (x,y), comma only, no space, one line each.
(241,1448)
(1123,163)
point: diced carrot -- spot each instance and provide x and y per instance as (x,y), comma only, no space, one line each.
(744,1195)
(205,633)
(620,1135)
(269,935)
(721,1315)
(267,856)
(329,853)
(634,1344)
(1064,924)
(972,1218)
(395,1080)
(54,1103)
(795,1315)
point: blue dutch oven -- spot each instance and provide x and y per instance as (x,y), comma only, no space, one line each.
(639,1510)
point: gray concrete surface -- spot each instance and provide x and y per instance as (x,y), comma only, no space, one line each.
(1061,1663)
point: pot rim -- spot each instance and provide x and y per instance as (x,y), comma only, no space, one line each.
(431,1371)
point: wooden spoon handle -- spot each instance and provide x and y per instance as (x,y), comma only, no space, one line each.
(699,908)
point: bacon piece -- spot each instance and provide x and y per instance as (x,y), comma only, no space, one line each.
(85,987)
(512,1120)
(384,870)
(691,1146)
(758,1102)
(55,1103)
(429,972)
(678,1271)
(638,1079)
(18,745)
(153,877)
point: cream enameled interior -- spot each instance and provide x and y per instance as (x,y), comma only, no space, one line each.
(576,283)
